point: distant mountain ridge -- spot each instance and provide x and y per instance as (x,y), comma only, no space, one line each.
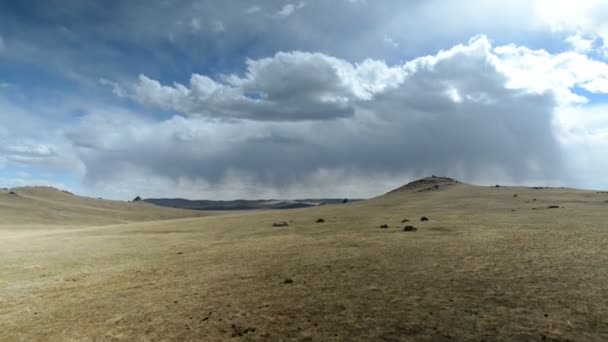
(243,204)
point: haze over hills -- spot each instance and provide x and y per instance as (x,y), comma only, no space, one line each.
(490,263)
(243,204)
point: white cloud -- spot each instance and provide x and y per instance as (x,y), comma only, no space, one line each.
(505,101)
(540,71)
(218,26)
(583,133)
(453,113)
(390,41)
(195,24)
(117,90)
(288,86)
(289,9)
(586,17)
(579,43)
(307,86)
(253,9)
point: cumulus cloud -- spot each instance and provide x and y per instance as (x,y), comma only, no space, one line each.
(540,71)
(579,43)
(287,87)
(455,113)
(587,17)
(289,9)
(352,116)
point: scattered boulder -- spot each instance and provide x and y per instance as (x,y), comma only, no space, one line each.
(137,199)
(320,220)
(280,224)
(424,218)
(384,226)
(344,201)
(13,193)
(409,229)
(288,281)
(553,207)
(497,186)
(405,220)
(515,195)
(238,331)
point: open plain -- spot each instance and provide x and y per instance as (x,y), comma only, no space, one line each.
(490,264)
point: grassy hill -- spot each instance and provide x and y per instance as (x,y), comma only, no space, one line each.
(50,206)
(492,263)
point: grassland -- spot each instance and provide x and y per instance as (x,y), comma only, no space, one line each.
(488,265)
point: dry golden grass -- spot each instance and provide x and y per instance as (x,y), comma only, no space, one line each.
(47,206)
(476,271)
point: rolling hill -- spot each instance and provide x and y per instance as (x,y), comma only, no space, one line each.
(46,205)
(491,263)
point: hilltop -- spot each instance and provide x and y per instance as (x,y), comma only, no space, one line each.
(432,183)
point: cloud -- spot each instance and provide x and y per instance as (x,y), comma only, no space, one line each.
(332,112)
(540,71)
(195,24)
(289,9)
(390,41)
(29,141)
(287,87)
(218,26)
(579,43)
(587,17)
(455,113)
(583,134)
(27,154)
(253,9)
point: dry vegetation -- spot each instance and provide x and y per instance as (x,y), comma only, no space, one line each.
(477,270)
(48,206)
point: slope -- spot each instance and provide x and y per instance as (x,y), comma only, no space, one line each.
(490,264)
(50,206)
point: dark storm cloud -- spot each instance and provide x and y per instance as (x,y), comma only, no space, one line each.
(449,114)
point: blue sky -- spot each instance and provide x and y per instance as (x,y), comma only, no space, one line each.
(207,99)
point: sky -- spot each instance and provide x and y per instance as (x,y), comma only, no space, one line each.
(291,99)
